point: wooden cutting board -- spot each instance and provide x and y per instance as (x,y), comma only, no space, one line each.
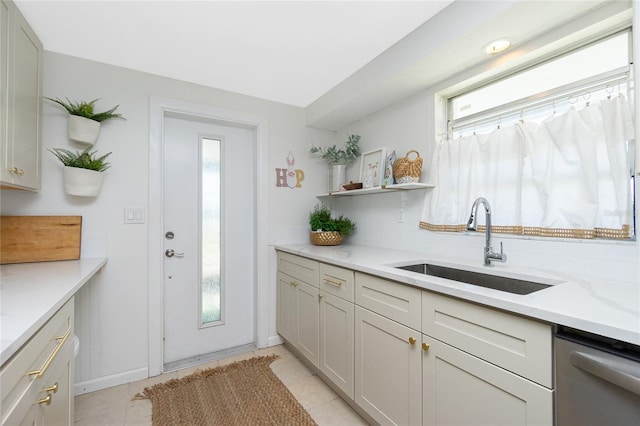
(39,238)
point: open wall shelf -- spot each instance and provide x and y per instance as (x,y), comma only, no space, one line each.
(378,189)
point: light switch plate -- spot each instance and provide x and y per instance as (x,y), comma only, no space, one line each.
(134,215)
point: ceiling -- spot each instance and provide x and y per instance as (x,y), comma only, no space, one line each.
(290,51)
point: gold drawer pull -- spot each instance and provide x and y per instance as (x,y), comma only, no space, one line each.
(425,347)
(62,339)
(53,388)
(330,281)
(46,400)
(412,340)
(320,296)
(293,283)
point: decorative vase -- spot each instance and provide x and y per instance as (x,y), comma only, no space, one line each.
(338,177)
(82,182)
(325,238)
(82,129)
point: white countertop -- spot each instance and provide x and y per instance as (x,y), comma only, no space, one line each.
(603,308)
(30,293)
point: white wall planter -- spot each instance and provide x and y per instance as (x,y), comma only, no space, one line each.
(82,129)
(82,182)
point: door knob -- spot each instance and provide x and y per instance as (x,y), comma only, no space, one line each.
(172,253)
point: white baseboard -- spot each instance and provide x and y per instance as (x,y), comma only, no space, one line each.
(110,381)
(275,340)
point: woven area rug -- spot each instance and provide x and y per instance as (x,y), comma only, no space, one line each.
(243,393)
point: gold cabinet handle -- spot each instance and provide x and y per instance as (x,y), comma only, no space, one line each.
(20,172)
(320,296)
(53,388)
(425,347)
(293,283)
(334,282)
(13,170)
(412,340)
(46,400)
(62,339)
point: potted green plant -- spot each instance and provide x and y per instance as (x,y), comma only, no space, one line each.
(327,230)
(339,159)
(84,122)
(82,171)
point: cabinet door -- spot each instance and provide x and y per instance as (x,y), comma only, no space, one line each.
(25,79)
(460,389)
(336,341)
(388,369)
(308,304)
(5,175)
(287,309)
(21,73)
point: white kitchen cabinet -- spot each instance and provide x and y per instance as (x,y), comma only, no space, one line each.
(517,344)
(416,357)
(20,102)
(337,281)
(337,341)
(393,300)
(287,310)
(316,315)
(461,389)
(388,369)
(37,382)
(298,304)
(308,303)
(480,365)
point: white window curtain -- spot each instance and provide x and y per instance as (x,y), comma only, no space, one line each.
(568,176)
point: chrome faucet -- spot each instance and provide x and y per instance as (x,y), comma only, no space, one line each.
(472,225)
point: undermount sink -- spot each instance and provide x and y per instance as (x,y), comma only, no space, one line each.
(510,285)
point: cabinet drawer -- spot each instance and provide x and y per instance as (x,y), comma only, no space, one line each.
(337,281)
(517,344)
(300,268)
(46,352)
(393,300)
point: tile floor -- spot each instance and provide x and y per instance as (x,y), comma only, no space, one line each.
(114,406)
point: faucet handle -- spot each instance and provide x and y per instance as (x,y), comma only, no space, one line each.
(503,256)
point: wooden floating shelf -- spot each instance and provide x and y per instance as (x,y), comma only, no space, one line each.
(379,189)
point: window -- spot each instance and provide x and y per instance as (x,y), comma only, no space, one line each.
(551,147)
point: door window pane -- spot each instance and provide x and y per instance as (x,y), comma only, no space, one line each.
(211,285)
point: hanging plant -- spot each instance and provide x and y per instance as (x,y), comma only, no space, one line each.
(84,122)
(82,174)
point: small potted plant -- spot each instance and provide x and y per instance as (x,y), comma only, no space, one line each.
(327,230)
(84,123)
(339,159)
(82,171)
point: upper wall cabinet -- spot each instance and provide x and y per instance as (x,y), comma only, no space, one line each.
(20,106)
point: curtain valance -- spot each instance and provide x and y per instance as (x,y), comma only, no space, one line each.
(568,176)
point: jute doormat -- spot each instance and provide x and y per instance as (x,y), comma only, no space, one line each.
(243,393)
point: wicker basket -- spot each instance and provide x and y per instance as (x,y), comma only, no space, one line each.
(326,238)
(406,170)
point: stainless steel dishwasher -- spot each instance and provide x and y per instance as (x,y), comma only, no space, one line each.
(597,380)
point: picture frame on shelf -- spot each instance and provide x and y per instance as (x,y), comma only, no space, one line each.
(372,167)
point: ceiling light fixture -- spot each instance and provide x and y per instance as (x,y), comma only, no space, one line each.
(497,46)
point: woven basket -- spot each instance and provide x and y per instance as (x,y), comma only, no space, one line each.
(326,238)
(406,170)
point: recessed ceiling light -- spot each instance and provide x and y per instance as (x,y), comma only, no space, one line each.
(497,46)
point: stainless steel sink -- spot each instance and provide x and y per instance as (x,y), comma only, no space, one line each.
(510,285)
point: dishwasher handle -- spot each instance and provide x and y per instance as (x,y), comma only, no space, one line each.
(606,370)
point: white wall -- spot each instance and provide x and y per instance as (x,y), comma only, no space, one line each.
(112,309)
(410,125)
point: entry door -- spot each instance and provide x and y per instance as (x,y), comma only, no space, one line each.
(209,237)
